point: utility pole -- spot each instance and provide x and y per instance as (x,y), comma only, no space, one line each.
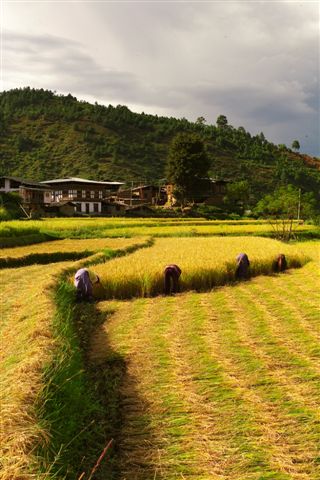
(131,193)
(299,204)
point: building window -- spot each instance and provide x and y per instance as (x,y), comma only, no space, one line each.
(58,195)
(96,207)
(92,194)
(72,194)
(78,207)
(78,193)
(83,194)
(100,193)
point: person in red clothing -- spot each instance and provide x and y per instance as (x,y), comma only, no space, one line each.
(171,279)
(280,264)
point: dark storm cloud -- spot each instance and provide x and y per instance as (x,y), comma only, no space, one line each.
(256,62)
(62,64)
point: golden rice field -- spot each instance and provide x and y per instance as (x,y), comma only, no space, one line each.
(27,311)
(223,385)
(205,263)
(69,245)
(115,227)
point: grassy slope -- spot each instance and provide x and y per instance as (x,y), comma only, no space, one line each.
(222,385)
(53,136)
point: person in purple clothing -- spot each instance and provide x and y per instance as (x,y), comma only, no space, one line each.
(242,271)
(171,279)
(83,281)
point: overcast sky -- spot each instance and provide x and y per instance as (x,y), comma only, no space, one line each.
(257,62)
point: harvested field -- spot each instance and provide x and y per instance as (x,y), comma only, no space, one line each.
(220,385)
(27,311)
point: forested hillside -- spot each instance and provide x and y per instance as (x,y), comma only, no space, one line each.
(44,135)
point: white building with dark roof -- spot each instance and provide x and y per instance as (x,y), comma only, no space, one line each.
(86,194)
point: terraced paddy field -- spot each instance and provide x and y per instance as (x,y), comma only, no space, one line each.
(68,245)
(205,263)
(219,385)
(126,227)
(222,383)
(63,250)
(28,344)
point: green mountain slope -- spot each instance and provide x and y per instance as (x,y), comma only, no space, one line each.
(44,135)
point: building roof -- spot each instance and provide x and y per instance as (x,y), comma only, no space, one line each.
(40,188)
(80,180)
(143,187)
(24,182)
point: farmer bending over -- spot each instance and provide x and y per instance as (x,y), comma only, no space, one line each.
(242,271)
(171,279)
(280,264)
(83,281)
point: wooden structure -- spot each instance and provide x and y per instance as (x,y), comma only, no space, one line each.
(114,209)
(63,209)
(143,195)
(34,196)
(208,191)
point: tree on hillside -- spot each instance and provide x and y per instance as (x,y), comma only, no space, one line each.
(201,121)
(295,145)
(238,197)
(284,207)
(222,121)
(187,163)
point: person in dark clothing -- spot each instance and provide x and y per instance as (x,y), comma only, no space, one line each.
(171,279)
(83,281)
(280,264)
(242,271)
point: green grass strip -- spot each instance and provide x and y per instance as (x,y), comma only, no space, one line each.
(69,406)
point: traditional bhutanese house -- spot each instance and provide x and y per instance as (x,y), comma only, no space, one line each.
(143,194)
(212,191)
(33,195)
(150,194)
(86,194)
(114,209)
(208,191)
(63,209)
